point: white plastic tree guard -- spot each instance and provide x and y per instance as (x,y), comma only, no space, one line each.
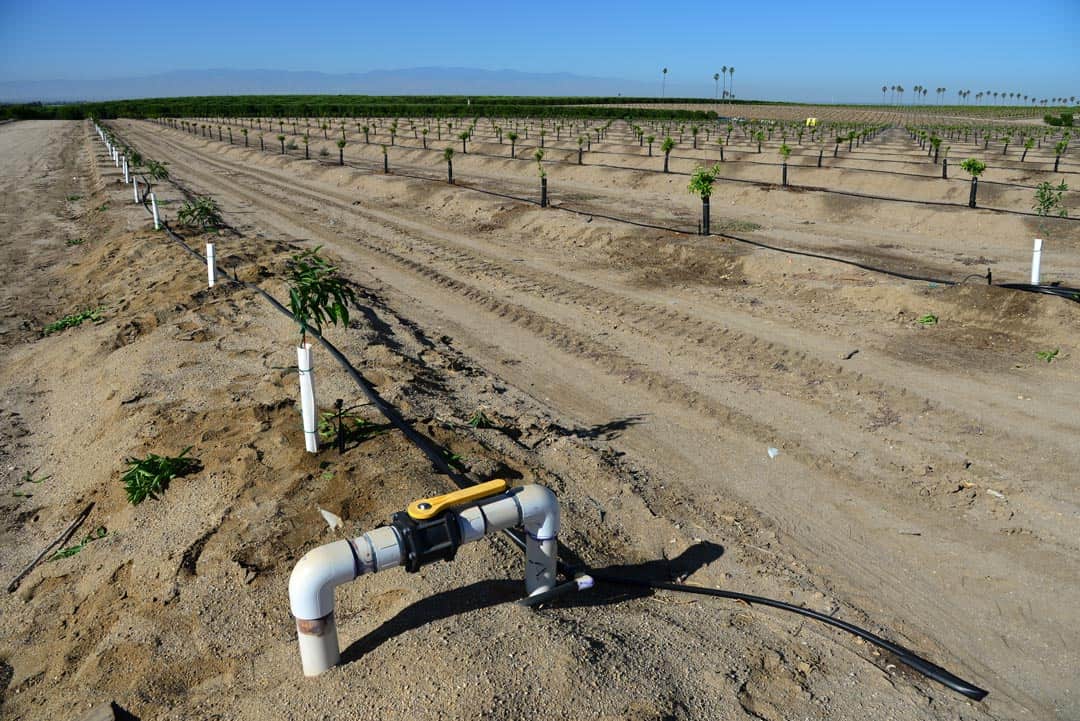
(307,398)
(1036,261)
(211,268)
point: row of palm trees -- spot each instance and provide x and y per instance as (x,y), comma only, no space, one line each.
(725,71)
(897,97)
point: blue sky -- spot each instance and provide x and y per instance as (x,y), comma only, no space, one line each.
(824,50)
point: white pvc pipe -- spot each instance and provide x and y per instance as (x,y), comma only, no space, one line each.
(1036,261)
(211,269)
(307,398)
(135,188)
(153,208)
(321,570)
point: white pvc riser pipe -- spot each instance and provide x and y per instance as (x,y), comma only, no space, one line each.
(127,178)
(321,570)
(153,208)
(1036,261)
(307,398)
(135,188)
(211,268)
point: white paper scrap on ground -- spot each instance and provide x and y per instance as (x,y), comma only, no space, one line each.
(333,520)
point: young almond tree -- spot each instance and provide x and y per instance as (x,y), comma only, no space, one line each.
(281,139)
(701,184)
(650,140)
(667,146)
(244,132)
(385,159)
(1049,202)
(423,134)
(1029,143)
(448,156)
(341,151)
(935,143)
(785,153)
(974,168)
(580,148)
(1059,150)
(464,137)
(307,153)
(366,130)
(512,137)
(539,156)
(317,295)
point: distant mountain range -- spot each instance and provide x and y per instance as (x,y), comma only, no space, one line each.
(409,81)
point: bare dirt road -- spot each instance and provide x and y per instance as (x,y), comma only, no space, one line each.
(922,481)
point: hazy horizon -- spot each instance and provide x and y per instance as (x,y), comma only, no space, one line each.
(841,51)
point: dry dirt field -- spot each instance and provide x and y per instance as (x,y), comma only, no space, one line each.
(923,483)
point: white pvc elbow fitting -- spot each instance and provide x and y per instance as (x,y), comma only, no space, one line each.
(321,570)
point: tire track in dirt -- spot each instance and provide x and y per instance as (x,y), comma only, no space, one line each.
(820,534)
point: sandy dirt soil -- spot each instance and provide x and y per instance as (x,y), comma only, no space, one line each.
(922,486)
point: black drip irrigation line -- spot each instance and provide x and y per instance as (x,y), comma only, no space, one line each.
(904,655)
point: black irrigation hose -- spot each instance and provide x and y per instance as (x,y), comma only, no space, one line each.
(904,655)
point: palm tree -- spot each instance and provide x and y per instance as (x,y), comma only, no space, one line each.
(716,82)
(731,84)
(448,156)
(663,82)
(883,89)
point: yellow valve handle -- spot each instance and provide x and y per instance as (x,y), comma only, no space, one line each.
(426,508)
